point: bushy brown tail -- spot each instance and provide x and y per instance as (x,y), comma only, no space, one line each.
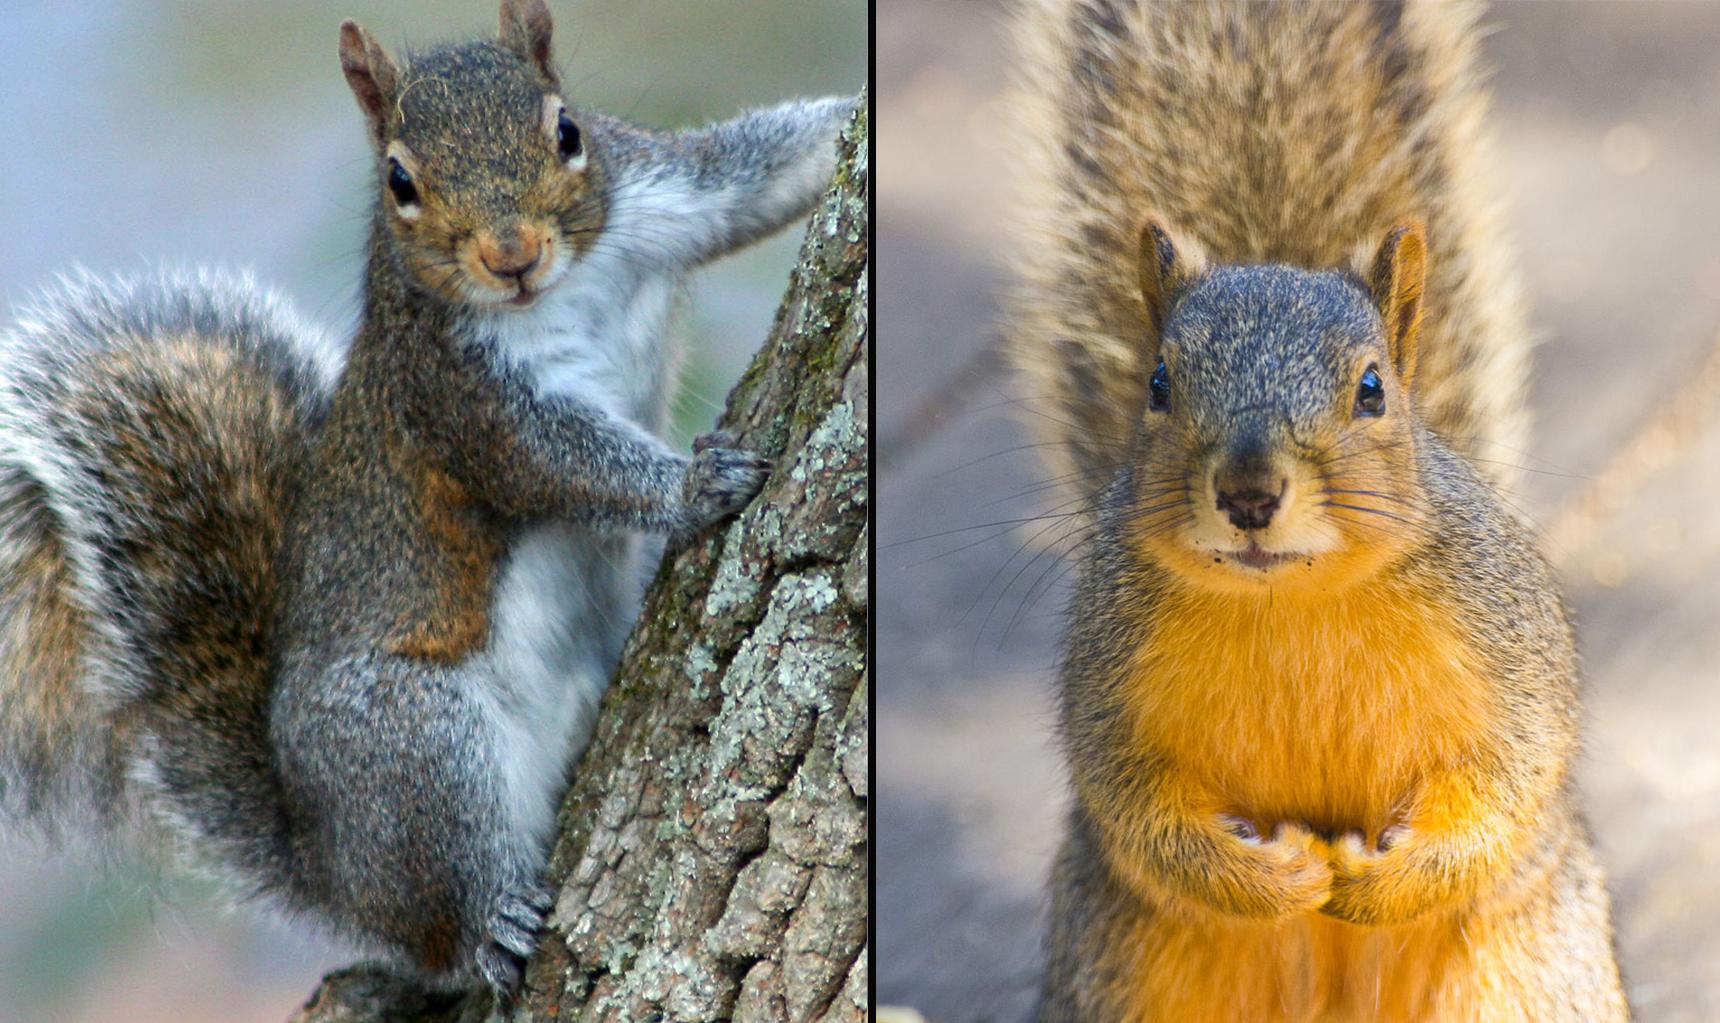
(1284,133)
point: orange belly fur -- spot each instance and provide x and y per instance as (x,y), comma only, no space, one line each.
(1328,711)
(1197,964)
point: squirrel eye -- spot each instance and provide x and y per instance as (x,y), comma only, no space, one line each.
(567,137)
(400,183)
(1371,394)
(1160,389)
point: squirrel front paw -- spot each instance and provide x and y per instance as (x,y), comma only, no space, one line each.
(721,479)
(1281,874)
(1385,883)
(513,930)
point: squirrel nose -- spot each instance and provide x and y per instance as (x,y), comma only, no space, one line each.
(514,258)
(1248,509)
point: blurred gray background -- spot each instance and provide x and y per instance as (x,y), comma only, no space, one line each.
(1609,130)
(213,131)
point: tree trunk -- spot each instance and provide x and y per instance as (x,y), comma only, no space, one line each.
(711,859)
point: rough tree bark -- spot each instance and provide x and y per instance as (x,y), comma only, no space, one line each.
(711,863)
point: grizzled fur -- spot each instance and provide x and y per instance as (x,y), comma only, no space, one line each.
(1318,689)
(1530,900)
(1263,358)
(148,431)
(340,625)
(1265,133)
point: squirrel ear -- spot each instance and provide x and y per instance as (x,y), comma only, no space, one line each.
(370,72)
(1168,265)
(526,30)
(1398,280)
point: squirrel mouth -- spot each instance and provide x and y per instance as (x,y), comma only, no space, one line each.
(524,297)
(1259,558)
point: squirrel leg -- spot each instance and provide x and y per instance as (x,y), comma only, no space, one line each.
(717,189)
(562,457)
(1161,835)
(412,830)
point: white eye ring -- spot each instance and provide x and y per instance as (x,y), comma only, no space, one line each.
(554,110)
(400,160)
(577,161)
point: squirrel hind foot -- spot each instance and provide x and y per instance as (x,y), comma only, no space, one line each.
(512,934)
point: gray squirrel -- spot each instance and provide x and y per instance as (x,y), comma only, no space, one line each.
(336,628)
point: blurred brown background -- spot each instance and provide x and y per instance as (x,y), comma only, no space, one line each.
(221,132)
(1608,118)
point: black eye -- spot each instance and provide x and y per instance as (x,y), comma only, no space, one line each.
(1370,394)
(1160,389)
(567,137)
(400,183)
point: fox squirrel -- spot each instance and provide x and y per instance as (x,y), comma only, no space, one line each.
(1318,689)
(337,625)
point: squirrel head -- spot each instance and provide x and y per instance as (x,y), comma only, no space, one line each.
(1277,446)
(488,191)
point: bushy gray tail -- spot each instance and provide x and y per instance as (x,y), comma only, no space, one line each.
(149,430)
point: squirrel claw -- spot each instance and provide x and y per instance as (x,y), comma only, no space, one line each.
(1392,837)
(514,928)
(714,439)
(1242,828)
(1353,844)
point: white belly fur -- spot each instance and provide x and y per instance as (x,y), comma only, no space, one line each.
(567,595)
(564,604)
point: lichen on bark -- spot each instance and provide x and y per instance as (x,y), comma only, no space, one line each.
(711,858)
